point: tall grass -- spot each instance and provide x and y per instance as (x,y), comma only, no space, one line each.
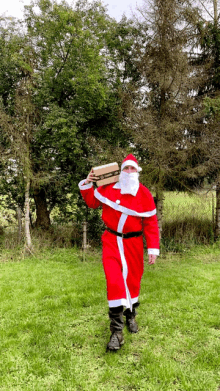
(187,220)
(55,327)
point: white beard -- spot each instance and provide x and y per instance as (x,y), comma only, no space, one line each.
(129,183)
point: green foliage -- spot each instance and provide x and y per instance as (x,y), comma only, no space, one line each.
(96,88)
(121,39)
(73,91)
(156,113)
(207,76)
(210,55)
(7,214)
(12,43)
(55,326)
(212,107)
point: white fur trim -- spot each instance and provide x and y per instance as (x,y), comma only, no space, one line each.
(121,208)
(120,227)
(128,302)
(85,186)
(119,302)
(130,163)
(153,251)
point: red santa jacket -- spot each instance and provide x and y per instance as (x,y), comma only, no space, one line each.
(139,210)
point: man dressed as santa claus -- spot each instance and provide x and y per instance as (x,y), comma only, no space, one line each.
(129,212)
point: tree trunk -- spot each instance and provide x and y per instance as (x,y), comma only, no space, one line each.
(215,11)
(43,216)
(19,224)
(217,216)
(27,218)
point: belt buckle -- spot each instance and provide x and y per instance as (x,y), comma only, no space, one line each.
(122,235)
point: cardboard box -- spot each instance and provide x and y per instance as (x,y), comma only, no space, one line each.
(108,173)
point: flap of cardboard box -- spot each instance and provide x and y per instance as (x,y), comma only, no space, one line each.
(105,169)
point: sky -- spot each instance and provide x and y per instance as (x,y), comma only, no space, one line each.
(116,8)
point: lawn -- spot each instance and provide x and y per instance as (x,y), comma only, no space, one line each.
(55,327)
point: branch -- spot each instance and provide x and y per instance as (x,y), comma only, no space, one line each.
(65,59)
(206,9)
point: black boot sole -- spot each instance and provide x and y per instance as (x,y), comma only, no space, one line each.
(116,348)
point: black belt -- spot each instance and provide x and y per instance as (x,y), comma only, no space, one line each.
(127,235)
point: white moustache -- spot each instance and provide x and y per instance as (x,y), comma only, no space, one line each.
(129,183)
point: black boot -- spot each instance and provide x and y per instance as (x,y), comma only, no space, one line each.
(116,327)
(130,318)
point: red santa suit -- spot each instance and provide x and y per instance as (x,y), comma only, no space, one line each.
(123,257)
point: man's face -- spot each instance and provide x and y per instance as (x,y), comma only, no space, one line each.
(129,169)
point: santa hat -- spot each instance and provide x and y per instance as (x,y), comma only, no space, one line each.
(130,160)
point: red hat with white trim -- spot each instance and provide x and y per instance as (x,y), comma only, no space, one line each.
(131,160)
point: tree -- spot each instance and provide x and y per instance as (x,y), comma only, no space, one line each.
(206,133)
(156,109)
(77,99)
(18,130)
(77,95)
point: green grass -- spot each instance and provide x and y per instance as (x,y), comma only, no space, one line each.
(54,325)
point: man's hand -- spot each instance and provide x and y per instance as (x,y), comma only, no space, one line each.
(152,259)
(91,177)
